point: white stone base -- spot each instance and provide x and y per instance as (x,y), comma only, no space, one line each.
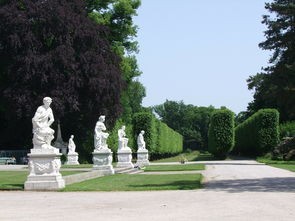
(47,182)
(72,159)
(44,168)
(142,158)
(124,158)
(102,161)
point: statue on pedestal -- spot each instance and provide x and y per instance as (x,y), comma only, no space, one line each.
(42,120)
(140,141)
(100,137)
(71,145)
(123,141)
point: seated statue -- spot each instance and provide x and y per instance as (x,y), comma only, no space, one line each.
(140,141)
(72,145)
(100,137)
(42,120)
(123,141)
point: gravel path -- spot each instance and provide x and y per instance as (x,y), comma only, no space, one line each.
(234,190)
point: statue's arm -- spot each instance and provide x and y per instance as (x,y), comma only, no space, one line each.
(37,116)
(51,118)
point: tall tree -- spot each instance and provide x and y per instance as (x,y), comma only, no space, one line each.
(190,121)
(118,16)
(52,48)
(275,86)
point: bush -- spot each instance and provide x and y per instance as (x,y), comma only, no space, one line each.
(259,134)
(221,133)
(113,136)
(287,129)
(160,139)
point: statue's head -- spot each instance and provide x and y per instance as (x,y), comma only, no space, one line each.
(47,101)
(72,136)
(142,132)
(123,127)
(101,118)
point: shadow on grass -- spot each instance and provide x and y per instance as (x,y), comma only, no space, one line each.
(9,186)
(276,184)
(204,156)
(177,185)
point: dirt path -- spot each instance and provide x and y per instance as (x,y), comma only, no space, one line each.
(236,190)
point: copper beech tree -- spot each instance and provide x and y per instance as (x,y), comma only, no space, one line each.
(52,48)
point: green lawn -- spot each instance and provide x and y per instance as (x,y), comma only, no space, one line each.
(287,165)
(290,167)
(14,180)
(180,167)
(77,166)
(189,156)
(139,182)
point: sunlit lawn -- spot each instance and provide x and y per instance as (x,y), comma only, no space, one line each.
(139,182)
(180,167)
(14,180)
(287,165)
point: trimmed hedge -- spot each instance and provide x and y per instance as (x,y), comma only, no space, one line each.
(221,133)
(113,137)
(160,139)
(259,134)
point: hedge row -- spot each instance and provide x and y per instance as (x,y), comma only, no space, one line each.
(160,139)
(259,134)
(221,133)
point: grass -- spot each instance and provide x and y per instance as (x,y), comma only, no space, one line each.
(77,166)
(189,156)
(181,167)
(290,167)
(287,165)
(139,182)
(14,180)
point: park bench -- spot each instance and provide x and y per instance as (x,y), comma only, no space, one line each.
(7,160)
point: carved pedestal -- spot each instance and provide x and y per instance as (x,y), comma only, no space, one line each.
(102,160)
(72,159)
(124,158)
(142,158)
(44,165)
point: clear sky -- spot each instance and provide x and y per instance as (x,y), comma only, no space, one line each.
(200,52)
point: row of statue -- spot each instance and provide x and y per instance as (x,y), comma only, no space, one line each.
(43,134)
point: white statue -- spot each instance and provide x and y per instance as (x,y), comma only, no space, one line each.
(100,137)
(72,145)
(42,120)
(123,141)
(140,141)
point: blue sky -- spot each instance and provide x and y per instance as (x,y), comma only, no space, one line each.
(200,52)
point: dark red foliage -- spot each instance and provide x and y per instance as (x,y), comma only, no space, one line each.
(51,48)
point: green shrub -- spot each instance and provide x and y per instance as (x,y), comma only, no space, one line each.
(147,122)
(287,129)
(113,137)
(259,134)
(160,139)
(221,133)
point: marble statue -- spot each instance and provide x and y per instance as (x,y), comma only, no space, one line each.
(72,145)
(140,141)
(123,141)
(42,120)
(100,137)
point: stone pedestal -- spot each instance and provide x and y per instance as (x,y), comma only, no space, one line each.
(142,158)
(72,159)
(102,160)
(124,158)
(44,165)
